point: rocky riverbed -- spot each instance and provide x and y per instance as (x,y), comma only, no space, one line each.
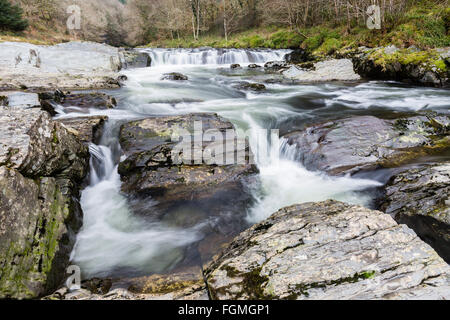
(103,181)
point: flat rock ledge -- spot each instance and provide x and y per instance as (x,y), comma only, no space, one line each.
(328,250)
(420,198)
(427,67)
(72,65)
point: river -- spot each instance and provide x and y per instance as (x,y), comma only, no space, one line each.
(115,242)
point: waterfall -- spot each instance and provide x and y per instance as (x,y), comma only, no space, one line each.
(209,56)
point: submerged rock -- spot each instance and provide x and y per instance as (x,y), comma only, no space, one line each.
(175,76)
(244,85)
(254,66)
(235,66)
(42,165)
(366,142)
(328,250)
(276,65)
(420,198)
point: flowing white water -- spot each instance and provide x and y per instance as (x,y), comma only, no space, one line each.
(208,56)
(115,241)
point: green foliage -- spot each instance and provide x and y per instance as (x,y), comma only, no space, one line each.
(11,17)
(254,41)
(330,46)
(446,19)
(285,39)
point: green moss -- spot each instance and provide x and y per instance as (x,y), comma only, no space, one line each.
(253,285)
(302,289)
(428,59)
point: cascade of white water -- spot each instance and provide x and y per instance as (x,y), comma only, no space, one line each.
(213,56)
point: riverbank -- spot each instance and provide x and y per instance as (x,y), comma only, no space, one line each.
(424,26)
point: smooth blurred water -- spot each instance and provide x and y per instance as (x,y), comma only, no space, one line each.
(114,241)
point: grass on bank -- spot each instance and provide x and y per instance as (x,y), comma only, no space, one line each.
(425,26)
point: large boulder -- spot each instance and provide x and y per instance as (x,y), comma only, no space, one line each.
(151,169)
(420,198)
(426,67)
(329,70)
(366,142)
(35,145)
(88,129)
(135,59)
(328,250)
(42,165)
(187,191)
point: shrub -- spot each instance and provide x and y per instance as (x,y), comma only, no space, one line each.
(11,17)
(286,39)
(254,41)
(330,46)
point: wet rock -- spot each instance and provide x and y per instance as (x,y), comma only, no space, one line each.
(186,187)
(244,85)
(68,65)
(42,165)
(37,233)
(298,56)
(151,167)
(329,70)
(235,66)
(420,198)
(328,250)
(72,65)
(77,102)
(276,65)
(408,65)
(135,59)
(366,142)
(254,66)
(175,76)
(88,129)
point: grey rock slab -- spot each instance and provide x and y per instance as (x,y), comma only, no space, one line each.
(328,250)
